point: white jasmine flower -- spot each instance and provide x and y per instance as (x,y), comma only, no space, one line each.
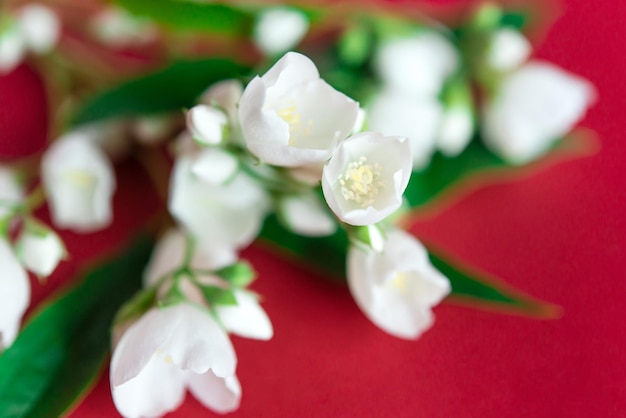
(291,117)
(364,180)
(396,288)
(79,182)
(116,27)
(40,27)
(305,214)
(109,135)
(413,116)
(508,50)
(12,48)
(416,65)
(535,106)
(229,214)
(207,124)
(40,249)
(14,294)
(11,192)
(280,29)
(224,95)
(168,350)
(455,131)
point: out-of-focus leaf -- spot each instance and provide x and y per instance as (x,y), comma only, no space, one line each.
(62,349)
(328,254)
(211,17)
(169,89)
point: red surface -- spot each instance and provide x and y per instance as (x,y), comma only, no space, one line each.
(559,235)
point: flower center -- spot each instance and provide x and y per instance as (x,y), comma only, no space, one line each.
(291,115)
(399,282)
(80,178)
(361,182)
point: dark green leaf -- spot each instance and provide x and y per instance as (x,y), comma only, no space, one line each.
(192,16)
(64,346)
(329,254)
(169,89)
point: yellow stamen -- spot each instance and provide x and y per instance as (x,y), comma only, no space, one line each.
(361,182)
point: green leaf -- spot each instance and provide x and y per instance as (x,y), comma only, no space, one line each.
(218,296)
(169,89)
(188,16)
(62,349)
(328,254)
(137,305)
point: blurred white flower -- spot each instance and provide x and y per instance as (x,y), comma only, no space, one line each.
(11,192)
(535,105)
(169,255)
(40,27)
(307,215)
(229,214)
(417,65)
(40,249)
(396,288)
(33,28)
(417,117)
(280,29)
(110,136)
(207,124)
(116,27)
(508,50)
(224,95)
(153,130)
(214,165)
(246,319)
(291,117)
(168,350)
(455,131)
(364,180)
(14,294)
(79,182)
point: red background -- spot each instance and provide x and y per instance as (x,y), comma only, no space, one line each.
(559,235)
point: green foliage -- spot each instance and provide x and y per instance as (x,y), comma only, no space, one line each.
(64,346)
(188,16)
(170,89)
(238,275)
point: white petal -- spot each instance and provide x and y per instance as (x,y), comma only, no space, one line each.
(455,132)
(215,166)
(279,30)
(536,105)
(221,395)
(79,182)
(417,65)
(40,27)
(185,335)
(158,389)
(415,117)
(170,252)
(12,49)
(290,117)
(387,163)
(14,294)
(206,124)
(11,192)
(225,95)
(40,253)
(306,215)
(396,288)
(247,318)
(508,50)
(228,215)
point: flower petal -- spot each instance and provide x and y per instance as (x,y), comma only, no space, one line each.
(158,389)
(280,29)
(247,318)
(14,294)
(40,27)
(11,192)
(184,334)
(221,395)
(40,252)
(307,215)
